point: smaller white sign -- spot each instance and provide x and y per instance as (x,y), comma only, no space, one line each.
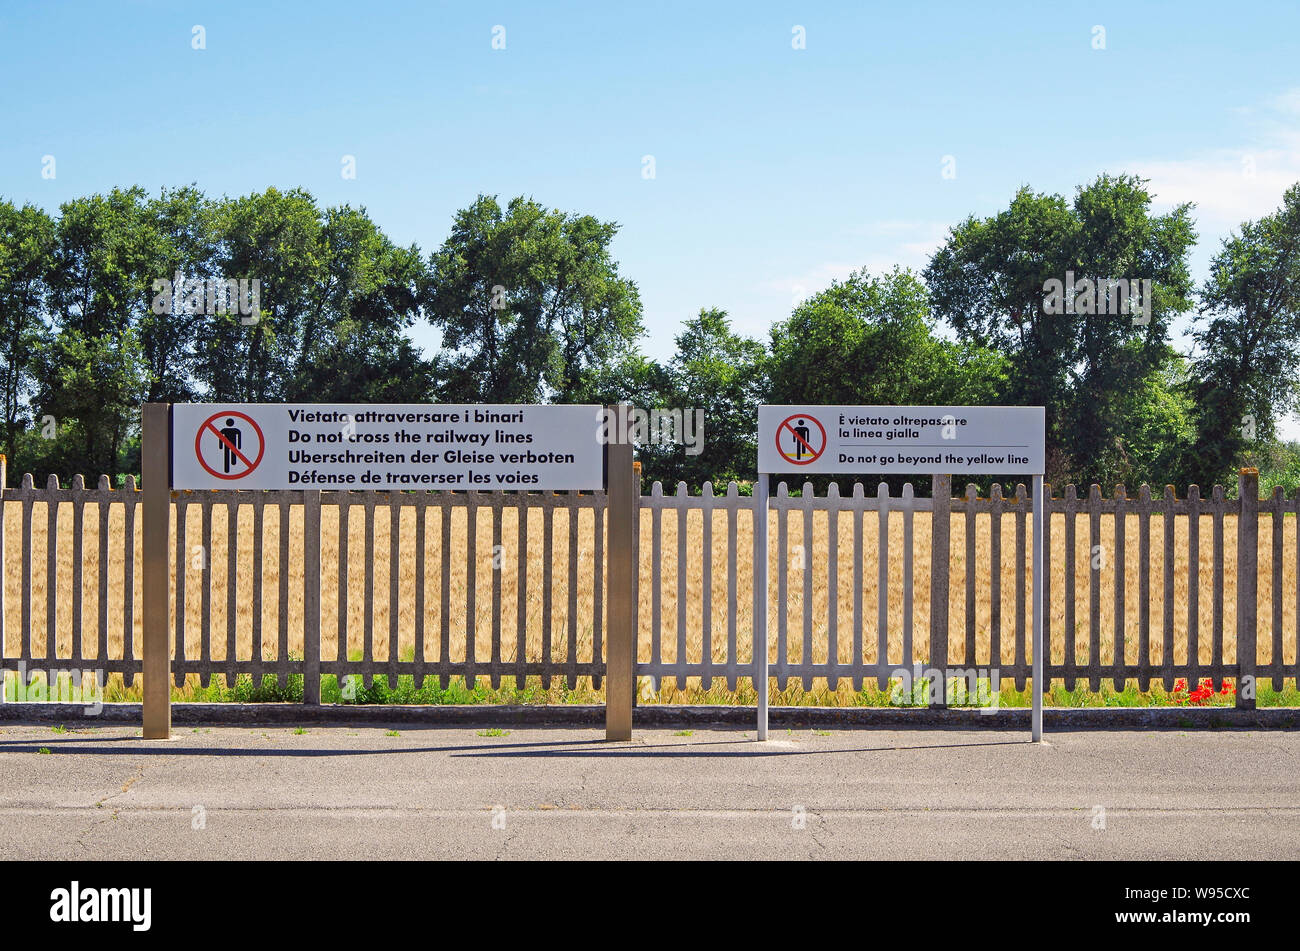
(902,440)
(386,446)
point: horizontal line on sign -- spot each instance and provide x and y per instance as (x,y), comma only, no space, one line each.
(927,445)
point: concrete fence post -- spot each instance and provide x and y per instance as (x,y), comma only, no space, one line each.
(940,532)
(623,493)
(1247,586)
(311,598)
(156,525)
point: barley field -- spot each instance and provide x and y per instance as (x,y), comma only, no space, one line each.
(213,566)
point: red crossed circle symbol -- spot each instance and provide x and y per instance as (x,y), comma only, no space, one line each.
(249,465)
(815,453)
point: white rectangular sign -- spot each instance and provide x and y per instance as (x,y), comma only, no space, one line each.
(897,440)
(385,446)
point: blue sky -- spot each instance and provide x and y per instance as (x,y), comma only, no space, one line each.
(776,169)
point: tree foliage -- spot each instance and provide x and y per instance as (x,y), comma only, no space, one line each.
(990,281)
(530,303)
(1248,337)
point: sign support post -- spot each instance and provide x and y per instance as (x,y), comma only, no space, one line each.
(311,597)
(623,493)
(1040,662)
(760,601)
(156,527)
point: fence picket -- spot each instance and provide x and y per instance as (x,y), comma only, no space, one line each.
(972,496)
(1167,645)
(1193,584)
(996,507)
(1278,506)
(341,634)
(232,590)
(571,658)
(682,572)
(706,589)
(806,501)
(656,577)
(52,571)
(1070,588)
(282,660)
(733,581)
(394,579)
(205,581)
(521,597)
(471,587)
(104,508)
(1216,648)
(421,516)
(259,570)
(1094,587)
(909,505)
(781,670)
(78,632)
(882,584)
(1049,508)
(1144,587)
(1120,583)
(857,584)
(182,546)
(832,586)
(1022,555)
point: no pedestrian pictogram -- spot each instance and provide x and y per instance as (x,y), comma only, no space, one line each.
(229,445)
(800,439)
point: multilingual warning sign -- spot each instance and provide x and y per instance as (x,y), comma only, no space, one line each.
(386,446)
(902,440)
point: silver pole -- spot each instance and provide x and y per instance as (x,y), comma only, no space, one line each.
(1040,507)
(760,601)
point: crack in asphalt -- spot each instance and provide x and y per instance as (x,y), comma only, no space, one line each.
(131,780)
(813,832)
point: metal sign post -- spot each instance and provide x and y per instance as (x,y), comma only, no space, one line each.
(899,440)
(1039,510)
(760,601)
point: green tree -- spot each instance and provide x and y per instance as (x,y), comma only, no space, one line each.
(180,237)
(92,375)
(354,344)
(719,372)
(27,242)
(530,303)
(93,387)
(1247,333)
(992,280)
(273,238)
(1158,427)
(871,340)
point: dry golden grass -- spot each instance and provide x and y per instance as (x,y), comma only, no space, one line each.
(218,559)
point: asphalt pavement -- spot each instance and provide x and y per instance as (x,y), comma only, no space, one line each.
(531,793)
